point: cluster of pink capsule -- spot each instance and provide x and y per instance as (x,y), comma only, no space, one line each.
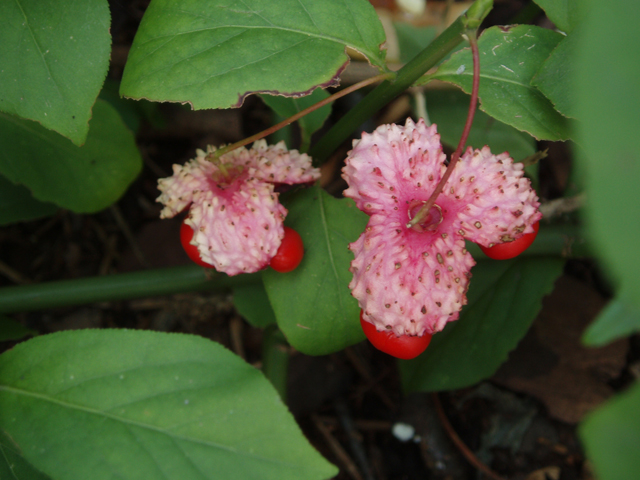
(234,210)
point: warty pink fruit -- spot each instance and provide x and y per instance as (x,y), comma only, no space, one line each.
(234,210)
(413,280)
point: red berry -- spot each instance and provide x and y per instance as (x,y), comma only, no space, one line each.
(507,250)
(186,234)
(405,347)
(290,252)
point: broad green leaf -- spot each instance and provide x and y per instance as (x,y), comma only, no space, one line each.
(252,303)
(504,298)
(12,464)
(12,330)
(611,436)
(287,107)
(82,179)
(563,13)
(448,109)
(554,78)
(608,105)
(313,304)
(212,54)
(509,58)
(54,58)
(618,319)
(18,205)
(104,404)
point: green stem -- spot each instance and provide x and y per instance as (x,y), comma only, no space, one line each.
(406,76)
(275,359)
(556,240)
(123,286)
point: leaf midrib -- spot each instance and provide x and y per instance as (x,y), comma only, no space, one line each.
(361,48)
(437,76)
(129,422)
(325,230)
(37,45)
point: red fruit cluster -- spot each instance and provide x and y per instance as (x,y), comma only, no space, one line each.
(507,250)
(290,252)
(186,234)
(405,347)
(287,258)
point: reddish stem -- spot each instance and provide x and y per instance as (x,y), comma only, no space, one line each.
(424,210)
(356,86)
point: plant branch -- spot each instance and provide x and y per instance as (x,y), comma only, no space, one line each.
(246,141)
(123,286)
(555,240)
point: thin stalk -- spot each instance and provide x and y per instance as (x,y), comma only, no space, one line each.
(406,76)
(123,286)
(424,210)
(356,86)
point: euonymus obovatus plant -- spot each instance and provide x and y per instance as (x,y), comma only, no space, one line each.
(395,253)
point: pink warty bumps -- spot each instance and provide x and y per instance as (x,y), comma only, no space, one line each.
(235,213)
(414,280)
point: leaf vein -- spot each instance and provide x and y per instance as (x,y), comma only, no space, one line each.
(153,428)
(37,45)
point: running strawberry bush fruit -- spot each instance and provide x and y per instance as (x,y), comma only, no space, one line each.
(411,279)
(290,252)
(233,207)
(405,347)
(512,247)
(393,255)
(186,236)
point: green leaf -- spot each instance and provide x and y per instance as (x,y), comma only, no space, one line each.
(618,319)
(554,78)
(313,304)
(608,105)
(12,464)
(82,179)
(12,330)
(504,298)
(252,303)
(448,109)
(563,13)
(611,436)
(213,54)
(54,59)
(104,404)
(509,58)
(18,205)
(288,107)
